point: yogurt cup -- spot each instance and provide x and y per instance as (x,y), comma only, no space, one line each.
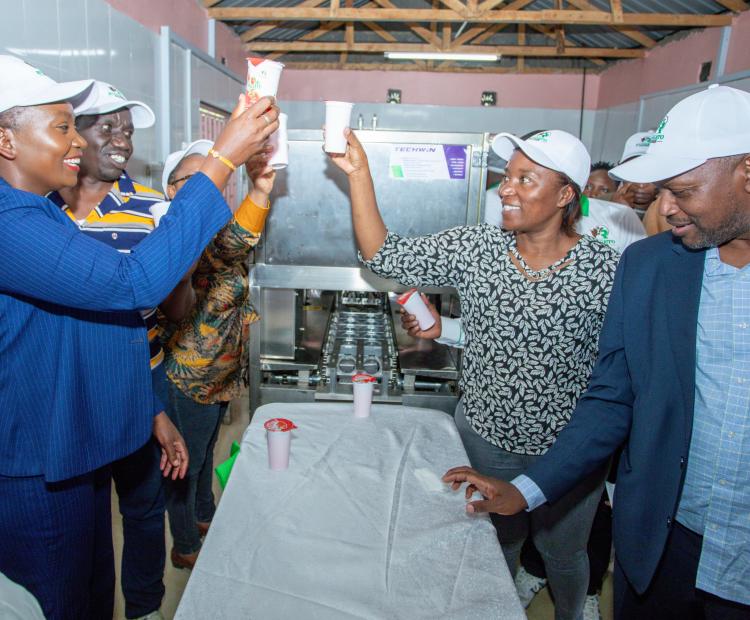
(262,78)
(279,438)
(413,304)
(363,386)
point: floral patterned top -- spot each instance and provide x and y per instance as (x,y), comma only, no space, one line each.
(531,340)
(206,354)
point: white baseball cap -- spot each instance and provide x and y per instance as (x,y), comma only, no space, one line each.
(711,123)
(199,147)
(25,85)
(553,149)
(105,98)
(636,145)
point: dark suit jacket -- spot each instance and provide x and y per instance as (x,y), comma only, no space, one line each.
(641,393)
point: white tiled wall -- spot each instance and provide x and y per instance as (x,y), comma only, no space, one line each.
(76,39)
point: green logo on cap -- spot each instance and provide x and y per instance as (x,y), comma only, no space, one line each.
(113,92)
(542,136)
(659,134)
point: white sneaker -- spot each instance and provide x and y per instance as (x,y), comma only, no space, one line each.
(527,586)
(591,608)
(154,615)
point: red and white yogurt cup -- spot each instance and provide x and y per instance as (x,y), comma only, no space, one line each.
(413,304)
(363,386)
(262,78)
(279,438)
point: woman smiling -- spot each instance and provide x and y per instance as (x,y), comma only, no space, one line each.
(533,298)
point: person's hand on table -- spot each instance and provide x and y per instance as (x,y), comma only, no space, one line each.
(411,325)
(174,453)
(500,497)
(354,160)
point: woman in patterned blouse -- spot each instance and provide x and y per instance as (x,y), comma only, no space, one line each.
(205,354)
(533,299)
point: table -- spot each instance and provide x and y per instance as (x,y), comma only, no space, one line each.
(359,526)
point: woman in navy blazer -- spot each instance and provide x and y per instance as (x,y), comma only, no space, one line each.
(75,385)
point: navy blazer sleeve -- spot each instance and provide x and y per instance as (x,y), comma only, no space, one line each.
(601,421)
(46,258)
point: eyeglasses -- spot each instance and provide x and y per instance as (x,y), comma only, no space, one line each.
(185,178)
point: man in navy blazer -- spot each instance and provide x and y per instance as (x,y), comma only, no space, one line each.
(672,382)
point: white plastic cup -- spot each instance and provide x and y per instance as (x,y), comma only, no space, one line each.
(158,210)
(338,117)
(262,78)
(413,304)
(279,439)
(363,386)
(278,140)
(279,443)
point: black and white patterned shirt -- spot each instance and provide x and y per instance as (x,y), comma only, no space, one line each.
(530,345)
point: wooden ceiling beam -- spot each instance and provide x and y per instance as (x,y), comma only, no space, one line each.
(419,66)
(550,33)
(423,33)
(632,33)
(566,16)
(734,5)
(485,30)
(456,5)
(545,51)
(259,31)
(615,6)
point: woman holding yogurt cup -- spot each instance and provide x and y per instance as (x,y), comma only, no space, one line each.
(533,298)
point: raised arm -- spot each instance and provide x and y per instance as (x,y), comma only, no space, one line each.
(46,258)
(369,229)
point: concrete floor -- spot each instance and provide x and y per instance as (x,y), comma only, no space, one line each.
(175,579)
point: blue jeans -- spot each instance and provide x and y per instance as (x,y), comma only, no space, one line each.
(56,541)
(139,485)
(191,499)
(560,531)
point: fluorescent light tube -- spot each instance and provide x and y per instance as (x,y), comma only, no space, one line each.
(442,56)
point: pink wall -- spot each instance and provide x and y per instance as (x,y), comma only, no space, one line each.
(189,20)
(450,89)
(669,66)
(738,58)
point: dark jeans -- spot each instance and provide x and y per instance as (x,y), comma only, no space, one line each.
(598,549)
(560,530)
(672,594)
(56,541)
(139,485)
(191,499)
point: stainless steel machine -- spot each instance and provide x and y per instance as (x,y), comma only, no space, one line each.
(324,317)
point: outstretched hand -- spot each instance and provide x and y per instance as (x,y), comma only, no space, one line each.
(500,497)
(411,325)
(355,158)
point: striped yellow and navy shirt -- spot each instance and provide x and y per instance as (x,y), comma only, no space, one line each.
(121,220)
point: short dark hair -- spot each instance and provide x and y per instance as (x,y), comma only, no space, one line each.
(10,119)
(572,210)
(602,165)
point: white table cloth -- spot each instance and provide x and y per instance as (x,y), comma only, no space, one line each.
(359,526)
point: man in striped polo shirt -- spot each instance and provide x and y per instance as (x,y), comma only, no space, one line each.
(111,207)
